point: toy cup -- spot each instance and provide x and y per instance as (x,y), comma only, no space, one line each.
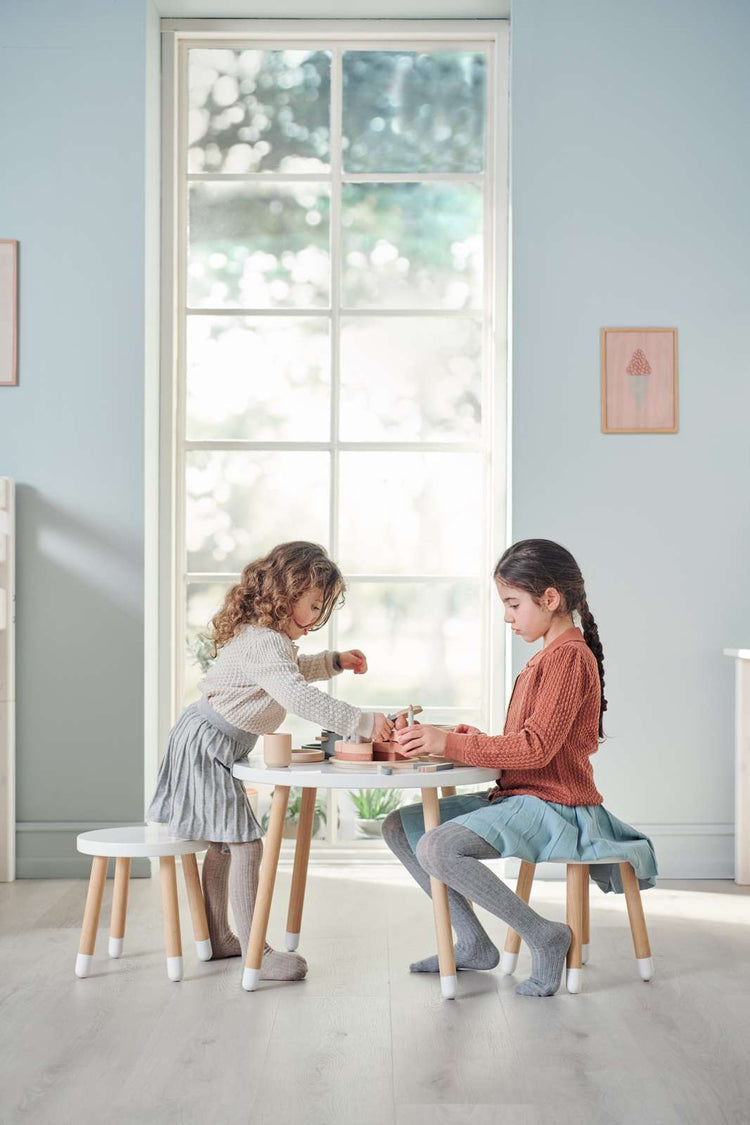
(277,750)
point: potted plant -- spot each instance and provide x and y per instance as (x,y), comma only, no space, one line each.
(293,809)
(373,806)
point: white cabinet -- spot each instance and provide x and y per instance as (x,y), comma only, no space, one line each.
(741,763)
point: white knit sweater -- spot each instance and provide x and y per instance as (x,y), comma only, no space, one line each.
(257,677)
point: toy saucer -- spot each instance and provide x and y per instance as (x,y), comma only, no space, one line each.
(302,757)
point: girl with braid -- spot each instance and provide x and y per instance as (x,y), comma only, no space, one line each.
(545,804)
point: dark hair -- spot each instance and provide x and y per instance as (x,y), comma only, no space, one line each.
(269,587)
(535,565)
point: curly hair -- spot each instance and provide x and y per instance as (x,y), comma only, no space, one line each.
(269,587)
(535,565)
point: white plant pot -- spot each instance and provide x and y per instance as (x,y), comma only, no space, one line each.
(370,828)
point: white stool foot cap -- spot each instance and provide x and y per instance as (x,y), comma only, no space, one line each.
(573,980)
(291,941)
(115,946)
(174,968)
(646,967)
(204,950)
(250,979)
(508,962)
(585,954)
(83,964)
(448,987)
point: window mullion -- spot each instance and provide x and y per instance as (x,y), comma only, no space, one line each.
(335,260)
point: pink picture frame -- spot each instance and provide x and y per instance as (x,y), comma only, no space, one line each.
(639,380)
(8,312)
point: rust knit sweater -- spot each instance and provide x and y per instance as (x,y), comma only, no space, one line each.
(551,729)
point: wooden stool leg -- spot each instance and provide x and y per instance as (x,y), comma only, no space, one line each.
(91,915)
(509,958)
(197,907)
(641,944)
(440,907)
(262,909)
(577,874)
(586,935)
(119,906)
(299,875)
(171,909)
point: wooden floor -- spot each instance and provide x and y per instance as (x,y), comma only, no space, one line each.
(361,1042)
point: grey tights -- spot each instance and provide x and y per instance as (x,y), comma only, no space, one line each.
(453,854)
(233,877)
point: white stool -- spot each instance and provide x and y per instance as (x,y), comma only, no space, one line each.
(139,841)
(577,917)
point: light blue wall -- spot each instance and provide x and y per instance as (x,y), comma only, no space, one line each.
(73,136)
(631,161)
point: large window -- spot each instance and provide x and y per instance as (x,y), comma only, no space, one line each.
(338,370)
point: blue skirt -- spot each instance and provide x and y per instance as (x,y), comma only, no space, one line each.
(534,830)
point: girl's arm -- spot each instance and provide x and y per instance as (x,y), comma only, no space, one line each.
(271,665)
(561,692)
(319,666)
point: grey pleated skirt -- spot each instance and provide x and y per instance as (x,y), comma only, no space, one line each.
(196,795)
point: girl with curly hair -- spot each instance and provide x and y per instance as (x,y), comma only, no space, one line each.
(256,678)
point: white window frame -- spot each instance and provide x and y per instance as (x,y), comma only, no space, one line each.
(177,37)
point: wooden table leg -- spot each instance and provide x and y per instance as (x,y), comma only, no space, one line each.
(268,868)
(91,915)
(170,906)
(441,909)
(509,959)
(299,875)
(197,907)
(119,906)
(641,944)
(576,880)
(450,791)
(586,936)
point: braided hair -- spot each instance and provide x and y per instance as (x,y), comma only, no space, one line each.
(535,565)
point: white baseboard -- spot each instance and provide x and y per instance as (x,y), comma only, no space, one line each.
(47,850)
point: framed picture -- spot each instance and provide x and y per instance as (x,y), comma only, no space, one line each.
(8,312)
(639,380)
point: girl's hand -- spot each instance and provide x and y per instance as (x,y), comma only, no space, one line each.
(421,740)
(381,727)
(464,728)
(353,660)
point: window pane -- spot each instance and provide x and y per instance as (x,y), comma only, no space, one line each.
(412,246)
(239,505)
(411,513)
(258,111)
(422,642)
(410,379)
(258,246)
(410,112)
(259,379)
(203,601)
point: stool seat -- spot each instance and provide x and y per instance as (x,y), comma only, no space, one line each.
(136,841)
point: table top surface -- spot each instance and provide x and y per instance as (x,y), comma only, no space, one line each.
(321,775)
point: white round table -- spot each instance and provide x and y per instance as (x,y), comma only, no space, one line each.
(321,775)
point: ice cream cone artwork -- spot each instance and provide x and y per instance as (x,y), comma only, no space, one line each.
(639,370)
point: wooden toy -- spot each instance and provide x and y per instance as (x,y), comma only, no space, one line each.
(303,757)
